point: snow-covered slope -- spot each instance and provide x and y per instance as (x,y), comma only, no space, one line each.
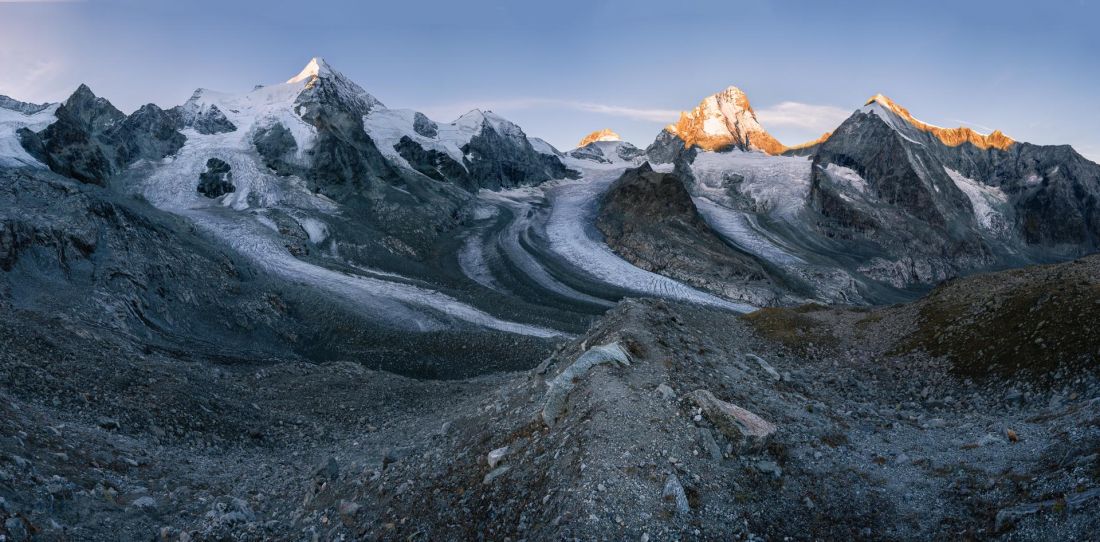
(14,116)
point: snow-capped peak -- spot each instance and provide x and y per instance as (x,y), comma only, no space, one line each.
(600,135)
(724,120)
(891,112)
(317,67)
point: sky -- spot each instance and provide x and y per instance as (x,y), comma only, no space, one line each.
(563,69)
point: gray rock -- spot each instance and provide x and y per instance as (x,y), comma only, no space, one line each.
(217,180)
(742,427)
(144,502)
(496,473)
(666,392)
(1072,502)
(559,388)
(277,146)
(675,495)
(17,530)
(348,510)
(109,424)
(496,456)
(769,467)
(709,444)
(765,366)
(424,126)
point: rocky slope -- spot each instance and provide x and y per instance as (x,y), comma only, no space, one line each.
(650,220)
(663,421)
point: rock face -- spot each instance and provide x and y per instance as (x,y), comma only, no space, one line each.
(435,164)
(935,203)
(204,118)
(92,140)
(277,146)
(217,180)
(724,121)
(952,137)
(649,219)
(885,206)
(609,152)
(500,155)
(25,108)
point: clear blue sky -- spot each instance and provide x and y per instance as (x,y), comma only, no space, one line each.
(561,69)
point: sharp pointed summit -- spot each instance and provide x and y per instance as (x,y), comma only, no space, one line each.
(951,137)
(723,121)
(317,67)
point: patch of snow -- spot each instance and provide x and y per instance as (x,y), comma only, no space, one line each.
(543,147)
(844,175)
(267,222)
(315,229)
(986,201)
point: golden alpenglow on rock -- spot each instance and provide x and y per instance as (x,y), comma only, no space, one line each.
(600,135)
(952,137)
(723,121)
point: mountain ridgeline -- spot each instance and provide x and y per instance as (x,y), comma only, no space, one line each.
(892,204)
(316,172)
(296,313)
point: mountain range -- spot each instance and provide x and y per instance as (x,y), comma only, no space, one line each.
(296,313)
(317,180)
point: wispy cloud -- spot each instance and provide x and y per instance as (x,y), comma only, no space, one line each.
(450,111)
(817,118)
(29,79)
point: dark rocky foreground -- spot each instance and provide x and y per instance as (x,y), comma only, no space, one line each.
(854,430)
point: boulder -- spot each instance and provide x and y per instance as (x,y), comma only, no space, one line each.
(560,387)
(739,425)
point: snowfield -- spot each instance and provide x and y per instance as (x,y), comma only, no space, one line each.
(777,184)
(12,153)
(988,202)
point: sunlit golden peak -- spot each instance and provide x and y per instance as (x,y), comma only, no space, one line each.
(722,121)
(600,135)
(951,137)
(317,67)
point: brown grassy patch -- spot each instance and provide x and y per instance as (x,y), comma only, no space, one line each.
(1013,327)
(791,327)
